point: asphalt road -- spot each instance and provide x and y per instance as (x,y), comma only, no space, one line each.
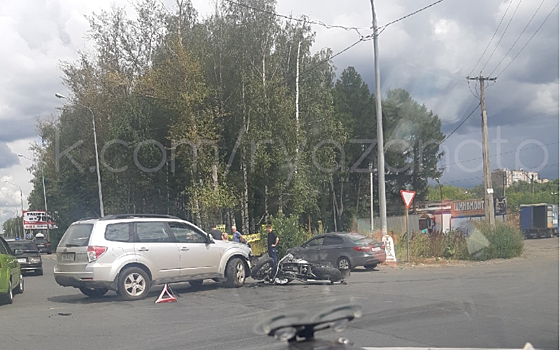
(501,304)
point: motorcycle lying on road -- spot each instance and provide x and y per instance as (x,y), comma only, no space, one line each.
(290,268)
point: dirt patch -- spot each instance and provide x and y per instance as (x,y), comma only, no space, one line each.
(545,248)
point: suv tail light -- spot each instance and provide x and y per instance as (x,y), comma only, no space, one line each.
(363,249)
(94,252)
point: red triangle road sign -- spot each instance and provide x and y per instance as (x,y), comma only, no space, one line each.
(407,197)
(166,295)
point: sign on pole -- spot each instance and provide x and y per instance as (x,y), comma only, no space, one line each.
(407,197)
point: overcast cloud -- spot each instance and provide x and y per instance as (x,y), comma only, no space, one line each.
(428,54)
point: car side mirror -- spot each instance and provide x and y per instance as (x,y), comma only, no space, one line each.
(18,251)
(209,238)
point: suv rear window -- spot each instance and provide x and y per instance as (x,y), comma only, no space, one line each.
(25,246)
(76,235)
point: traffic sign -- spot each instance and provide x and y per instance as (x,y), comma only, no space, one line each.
(407,197)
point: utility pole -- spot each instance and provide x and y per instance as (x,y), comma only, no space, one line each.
(488,190)
(371,196)
(504,184)
(380,144)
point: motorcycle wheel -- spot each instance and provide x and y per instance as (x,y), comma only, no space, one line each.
(327,274)
(263,269)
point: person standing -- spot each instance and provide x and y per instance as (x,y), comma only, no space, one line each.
(216,234)
(272,242)
(237,236)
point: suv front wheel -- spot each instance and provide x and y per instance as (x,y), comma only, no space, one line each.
(235,273)
(134,283)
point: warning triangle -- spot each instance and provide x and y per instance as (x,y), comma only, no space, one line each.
(407,197)
(166,295)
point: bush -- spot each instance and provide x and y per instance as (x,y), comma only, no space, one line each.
(503,241)
(289,232)
(451,245)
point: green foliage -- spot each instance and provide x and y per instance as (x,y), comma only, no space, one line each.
(504,241)
(499,242)
(13,227)
(436,245)
(521,193)
(449,193)
(289,231)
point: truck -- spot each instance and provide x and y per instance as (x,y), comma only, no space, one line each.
(538,220)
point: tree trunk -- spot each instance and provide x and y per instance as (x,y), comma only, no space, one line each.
(297,108)
(266,214)
(245,199)
(335,206)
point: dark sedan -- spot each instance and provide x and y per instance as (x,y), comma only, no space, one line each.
(342,250)
(29,257)
(43,245)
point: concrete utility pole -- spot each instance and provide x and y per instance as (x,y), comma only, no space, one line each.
(380,144)
(488,190)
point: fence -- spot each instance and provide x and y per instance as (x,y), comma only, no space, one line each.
(396,224)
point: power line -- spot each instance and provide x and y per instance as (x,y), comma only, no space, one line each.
(304,20)
(495,32)
(362,39)
(500,154)
(531,38)
(470,89)
(458,126)
(519,37)
(383,27)
(503,34)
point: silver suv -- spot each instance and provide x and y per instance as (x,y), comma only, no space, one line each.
(130,253)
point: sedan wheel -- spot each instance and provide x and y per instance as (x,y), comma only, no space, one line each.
(343,263)
(9,297)
(20,288)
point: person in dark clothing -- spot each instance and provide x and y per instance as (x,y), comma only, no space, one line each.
(217,234)
(272,242)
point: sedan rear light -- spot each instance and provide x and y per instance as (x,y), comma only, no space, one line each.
(363,249)
(94,252)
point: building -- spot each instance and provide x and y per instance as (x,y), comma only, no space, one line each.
(501,177)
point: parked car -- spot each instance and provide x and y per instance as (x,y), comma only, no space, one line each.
(28,256)
(342,250)
(11,280)
(42,243)
(131,252)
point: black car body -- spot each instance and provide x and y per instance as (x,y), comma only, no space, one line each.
(342,250)
(29,257)
(43,245)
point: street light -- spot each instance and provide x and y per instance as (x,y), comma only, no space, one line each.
(554,194)
(44,195)
(21,198)
(102,212)
(440,203)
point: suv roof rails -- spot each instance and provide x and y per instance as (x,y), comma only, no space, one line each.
(89,218)
(130,216)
